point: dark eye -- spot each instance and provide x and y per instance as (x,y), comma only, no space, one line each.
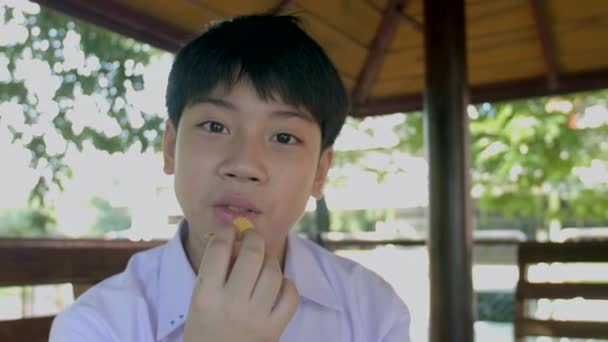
(284,138)
(214,127)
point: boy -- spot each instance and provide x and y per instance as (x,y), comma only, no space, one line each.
(255,106)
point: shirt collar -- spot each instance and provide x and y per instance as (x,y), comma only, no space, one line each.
(302,266)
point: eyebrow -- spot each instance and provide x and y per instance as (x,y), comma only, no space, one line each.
(231,106)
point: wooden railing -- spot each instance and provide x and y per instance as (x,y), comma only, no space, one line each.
(86,262)
(44,261)
(570,252)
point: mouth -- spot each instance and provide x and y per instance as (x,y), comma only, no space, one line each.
(241,210)
(228,209)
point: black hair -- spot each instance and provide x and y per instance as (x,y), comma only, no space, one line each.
(275,54)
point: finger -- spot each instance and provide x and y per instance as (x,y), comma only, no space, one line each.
(268,286)
(287,303)
(247,266)
(216,258)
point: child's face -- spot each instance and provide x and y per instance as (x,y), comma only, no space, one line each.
(233,151)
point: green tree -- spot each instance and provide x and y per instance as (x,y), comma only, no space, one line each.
(524,154)
(19,223)
(523,157)
(80,59)
(109,218)
(409,138)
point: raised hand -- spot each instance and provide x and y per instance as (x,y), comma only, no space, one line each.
(248,301)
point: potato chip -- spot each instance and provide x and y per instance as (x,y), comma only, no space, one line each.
(242,224)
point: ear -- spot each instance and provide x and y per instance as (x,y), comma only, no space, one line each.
(321,175)
(169,138)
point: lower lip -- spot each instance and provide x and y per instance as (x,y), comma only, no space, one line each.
(226,215)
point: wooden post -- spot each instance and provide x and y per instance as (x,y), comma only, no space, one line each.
(322,220)
(80,288)
(446,128)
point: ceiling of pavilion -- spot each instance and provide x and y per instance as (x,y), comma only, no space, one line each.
(516,48)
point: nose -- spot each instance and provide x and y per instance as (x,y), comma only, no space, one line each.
(244,162)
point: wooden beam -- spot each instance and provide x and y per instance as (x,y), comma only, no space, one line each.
(45,261)
(356,242)
(408,19)
(119,18)
(413,23)
(512,90)
(388,105)
(35,329)
(587,291)
(547,50)
(283,6)
(576,329)
(450,240)
(385,33)
(588,251)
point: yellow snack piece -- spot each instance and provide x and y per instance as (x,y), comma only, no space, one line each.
(242,224)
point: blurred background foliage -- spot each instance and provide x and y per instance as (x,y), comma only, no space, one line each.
(106,65)
(524,160)
(524,154)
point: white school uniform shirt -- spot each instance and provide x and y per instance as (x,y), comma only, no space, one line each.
(340,300)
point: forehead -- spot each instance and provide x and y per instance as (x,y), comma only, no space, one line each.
(243,96)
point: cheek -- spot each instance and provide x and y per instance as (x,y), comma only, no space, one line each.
(193,169)
(295,185)
(295,172)
(194,156)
